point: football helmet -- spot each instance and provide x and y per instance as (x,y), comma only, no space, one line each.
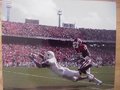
(77,42)
(49,55)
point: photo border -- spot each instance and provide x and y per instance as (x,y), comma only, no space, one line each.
(117,66)
(1,74)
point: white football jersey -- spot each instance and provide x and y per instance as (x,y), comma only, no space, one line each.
(60,70)
(55,67)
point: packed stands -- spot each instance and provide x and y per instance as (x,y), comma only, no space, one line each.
(20,53)
(16,51)
(28,29)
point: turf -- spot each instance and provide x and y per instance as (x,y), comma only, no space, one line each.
(21,78)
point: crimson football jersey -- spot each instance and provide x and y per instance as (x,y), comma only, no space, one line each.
(83,50)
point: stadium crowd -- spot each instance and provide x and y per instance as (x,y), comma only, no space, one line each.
(18,54)
(28,29)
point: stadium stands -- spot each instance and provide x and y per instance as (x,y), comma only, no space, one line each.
(27,29)
(16,54)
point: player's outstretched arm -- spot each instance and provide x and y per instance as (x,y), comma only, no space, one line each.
(41,55)
(43,64)
(37,64)
(32,57)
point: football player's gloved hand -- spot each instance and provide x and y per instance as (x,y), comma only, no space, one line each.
(32,56)
(41,55)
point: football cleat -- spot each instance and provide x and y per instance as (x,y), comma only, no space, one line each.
(99,83)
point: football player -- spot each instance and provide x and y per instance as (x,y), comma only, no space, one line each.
(50,61)
(84,58)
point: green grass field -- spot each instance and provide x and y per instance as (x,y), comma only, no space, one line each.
(43,79)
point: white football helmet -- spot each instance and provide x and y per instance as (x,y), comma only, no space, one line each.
(49,55)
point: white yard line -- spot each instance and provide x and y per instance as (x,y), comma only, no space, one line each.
(20,73)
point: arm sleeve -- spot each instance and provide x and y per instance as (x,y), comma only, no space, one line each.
(37,64)
(41,56)
(86,48)
(45,64)
(42,65)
